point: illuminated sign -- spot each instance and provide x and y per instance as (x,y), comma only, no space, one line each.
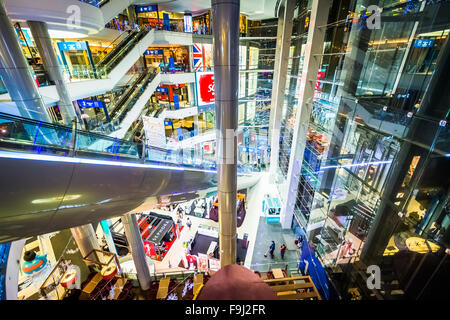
(205,88)
(152,8)
(187,23)
(424,43)
(90,104)
(153,52)
(72,45)
(163,90)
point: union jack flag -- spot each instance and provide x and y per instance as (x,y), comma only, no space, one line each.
(199,57)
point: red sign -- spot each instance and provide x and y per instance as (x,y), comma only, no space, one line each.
(205,88)
(149,249)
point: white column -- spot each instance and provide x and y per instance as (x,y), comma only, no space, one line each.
(313,48)
(284,33)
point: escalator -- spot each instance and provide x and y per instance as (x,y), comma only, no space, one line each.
(118,104)
(123,108)
(55,177)
(120,51)
(125,103)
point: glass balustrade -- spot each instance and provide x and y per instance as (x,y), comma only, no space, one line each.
(25,135)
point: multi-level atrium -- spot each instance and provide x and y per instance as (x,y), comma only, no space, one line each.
(316,169)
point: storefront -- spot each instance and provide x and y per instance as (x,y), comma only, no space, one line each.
(201,24)
(152,17)
(172,97)
(168,59)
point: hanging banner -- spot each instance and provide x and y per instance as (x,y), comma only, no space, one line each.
(187,23)
(214,264)
(205,88)
(155,133)
(202,54)
(202,262)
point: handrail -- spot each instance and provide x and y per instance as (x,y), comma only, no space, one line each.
(51,138)
(113,41)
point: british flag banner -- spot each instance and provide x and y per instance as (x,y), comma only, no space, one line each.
(199,57)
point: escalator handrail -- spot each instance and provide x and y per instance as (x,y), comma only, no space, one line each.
(124,51)
(114,143)
(117,49)
(128,105)
(127,94)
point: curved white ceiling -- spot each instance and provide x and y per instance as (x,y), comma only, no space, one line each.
(60,15)
(254,9)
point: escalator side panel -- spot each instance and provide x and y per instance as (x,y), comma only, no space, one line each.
(93,193)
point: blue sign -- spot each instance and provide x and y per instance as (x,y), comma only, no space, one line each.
(176,102)
(166,21)
(140,9)
(153,52)
(180,133)
(164,90)
(167,123)
(72,45)
(207,108)
(424,43)
(171,64)
(90,104)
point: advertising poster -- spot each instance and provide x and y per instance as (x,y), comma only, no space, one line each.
(205,88)
(214,264)
(202,262)
(149,249)
(155,133)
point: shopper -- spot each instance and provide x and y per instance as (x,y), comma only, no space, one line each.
(282,251)
(300,241)
(189,223)
(140,146)
(271,250)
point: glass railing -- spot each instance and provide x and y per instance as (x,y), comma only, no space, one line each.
(26,135)
(84,72)
(113,59)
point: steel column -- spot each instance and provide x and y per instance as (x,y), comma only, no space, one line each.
(43,42)
(85,238)
(16,73)
(134,239)
(225,18)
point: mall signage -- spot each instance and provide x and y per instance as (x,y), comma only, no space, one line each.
(153,52)
(205,88)
(424,43)
(155,132)
(90,104)
(140,9)
(72,46)
(163,90)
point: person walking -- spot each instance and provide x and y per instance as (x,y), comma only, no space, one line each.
(282,251)
(271,250)
(189,223)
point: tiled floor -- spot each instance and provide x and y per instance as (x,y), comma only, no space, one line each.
(266,233)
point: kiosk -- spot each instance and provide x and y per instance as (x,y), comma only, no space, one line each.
(271,208)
